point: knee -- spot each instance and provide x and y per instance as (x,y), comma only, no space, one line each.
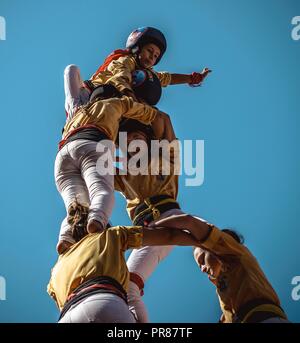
(71,69)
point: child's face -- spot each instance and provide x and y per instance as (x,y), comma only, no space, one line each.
(149,55)
(208,262)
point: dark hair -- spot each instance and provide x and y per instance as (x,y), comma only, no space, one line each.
(132,125)
(237,236)
(77,218)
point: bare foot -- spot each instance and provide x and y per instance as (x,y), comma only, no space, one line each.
(62,246)
(94,226)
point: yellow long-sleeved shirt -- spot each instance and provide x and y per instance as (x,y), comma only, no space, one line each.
(98,254)
(243,280)
(136,188)
(106,115)
(118,73)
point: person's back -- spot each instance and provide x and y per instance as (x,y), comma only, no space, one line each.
(106,114)
(93,256)
(90,280)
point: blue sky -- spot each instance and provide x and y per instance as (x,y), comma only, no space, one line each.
(247,113)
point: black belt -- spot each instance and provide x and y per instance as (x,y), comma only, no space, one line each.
(106,285)
(257,310)
(152,208)
(103,92)
(88,133)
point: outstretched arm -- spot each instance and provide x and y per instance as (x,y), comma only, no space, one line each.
(198,228)
(194,78)
(167,236)
(177,79)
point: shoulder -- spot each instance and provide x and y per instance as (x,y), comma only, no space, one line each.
(223,244)
(127,60)
(129,236)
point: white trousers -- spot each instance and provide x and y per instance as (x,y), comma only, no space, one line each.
(99,308)
(143,262)
(75,94)
(78,177)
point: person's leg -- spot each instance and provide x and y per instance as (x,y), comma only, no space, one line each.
(76,314)
(100,187)
(71,186)
(65,238)
(66,319)
(75,94)
(99,308)
(141,264)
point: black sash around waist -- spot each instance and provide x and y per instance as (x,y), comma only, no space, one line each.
(152,208)
(101,284)
(103,92)
(253,311)
(88,133)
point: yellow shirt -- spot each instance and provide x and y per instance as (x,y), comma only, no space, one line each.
(106,114)
(118,73)
(136,188)
(243,280)
(95,255)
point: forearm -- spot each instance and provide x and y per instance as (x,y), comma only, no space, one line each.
(168,236)
(177,79)
(139,111)
(183,238)
(200,229)
(162,127)
(192,79)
